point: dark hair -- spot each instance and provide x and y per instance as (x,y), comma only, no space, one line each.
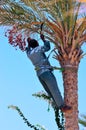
(32,43)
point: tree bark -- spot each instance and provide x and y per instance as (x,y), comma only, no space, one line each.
(70,82)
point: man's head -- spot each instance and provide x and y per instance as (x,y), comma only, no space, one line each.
(32,43)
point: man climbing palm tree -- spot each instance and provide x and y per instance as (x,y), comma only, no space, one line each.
(43,68)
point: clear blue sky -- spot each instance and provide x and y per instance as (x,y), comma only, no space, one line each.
(18,81)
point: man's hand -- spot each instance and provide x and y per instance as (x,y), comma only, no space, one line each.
(42,37)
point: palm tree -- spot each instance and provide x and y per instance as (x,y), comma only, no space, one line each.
(61,24)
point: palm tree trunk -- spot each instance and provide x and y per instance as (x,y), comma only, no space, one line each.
(70,80)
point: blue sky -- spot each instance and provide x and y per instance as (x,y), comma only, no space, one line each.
(18,81)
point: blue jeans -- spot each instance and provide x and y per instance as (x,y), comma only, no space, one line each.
(49,83)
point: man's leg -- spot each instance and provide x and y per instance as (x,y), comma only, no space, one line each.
(51,87)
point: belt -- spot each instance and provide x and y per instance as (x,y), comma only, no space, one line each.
(44,67)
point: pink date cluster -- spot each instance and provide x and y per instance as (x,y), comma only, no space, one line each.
(16,38)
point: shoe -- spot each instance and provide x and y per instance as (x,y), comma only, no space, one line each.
(66,108)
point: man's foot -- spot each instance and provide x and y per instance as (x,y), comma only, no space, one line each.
(66,108)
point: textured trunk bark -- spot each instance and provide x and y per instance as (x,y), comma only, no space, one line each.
(70,82)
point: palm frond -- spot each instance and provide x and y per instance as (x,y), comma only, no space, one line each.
(17,12)
(59,117)
(23,117)
(44,96)
(82,26)
(82,120)
(60,18)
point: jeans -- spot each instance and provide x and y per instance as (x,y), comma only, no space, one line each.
(49,83)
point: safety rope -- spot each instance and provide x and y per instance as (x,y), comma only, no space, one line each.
(70,67)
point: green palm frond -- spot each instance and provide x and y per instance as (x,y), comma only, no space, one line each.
(82,120)
(35,127)
(44,96)
(16,12)
(59,117)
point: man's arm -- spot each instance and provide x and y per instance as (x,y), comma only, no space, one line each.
(27,49)
(46,46)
